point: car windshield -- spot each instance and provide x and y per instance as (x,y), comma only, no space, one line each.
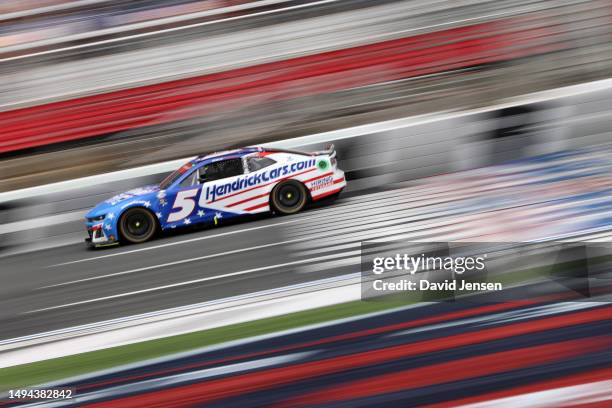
(170,179)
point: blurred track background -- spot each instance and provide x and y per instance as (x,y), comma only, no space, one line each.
(293,69)
(454,120)
(530,353)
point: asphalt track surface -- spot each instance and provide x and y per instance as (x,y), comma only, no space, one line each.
(178,269)
(537,350)
(71,285)
(567,193)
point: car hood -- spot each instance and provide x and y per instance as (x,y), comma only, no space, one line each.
(120,200)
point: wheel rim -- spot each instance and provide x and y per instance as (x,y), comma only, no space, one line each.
(137,225)
(289,195)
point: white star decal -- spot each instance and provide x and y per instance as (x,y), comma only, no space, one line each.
(147,204)
(107,227)
(159,215)
(187,221)
(218,215)
(111,216)
(200,213)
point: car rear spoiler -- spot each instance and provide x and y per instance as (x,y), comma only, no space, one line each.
(330,151)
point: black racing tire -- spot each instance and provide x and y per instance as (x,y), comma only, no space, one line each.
(137,225)
(289,197)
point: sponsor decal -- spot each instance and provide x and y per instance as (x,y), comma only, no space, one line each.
(322,164)
(185,201)
(321,183)
(214,192)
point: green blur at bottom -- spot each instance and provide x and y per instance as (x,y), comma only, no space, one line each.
(55,369)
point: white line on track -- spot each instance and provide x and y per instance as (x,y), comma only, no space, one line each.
(182,261)
(173,243)
(179,284)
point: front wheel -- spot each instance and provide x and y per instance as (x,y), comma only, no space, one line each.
(137,225)
(289,197)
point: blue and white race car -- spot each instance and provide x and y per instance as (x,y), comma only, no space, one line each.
(217,186)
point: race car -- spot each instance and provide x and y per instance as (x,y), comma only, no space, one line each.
(216,187)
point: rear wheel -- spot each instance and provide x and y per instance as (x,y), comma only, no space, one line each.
(289,197)
(137,225)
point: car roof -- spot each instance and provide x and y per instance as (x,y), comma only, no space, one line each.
(227,154)
(239,153)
